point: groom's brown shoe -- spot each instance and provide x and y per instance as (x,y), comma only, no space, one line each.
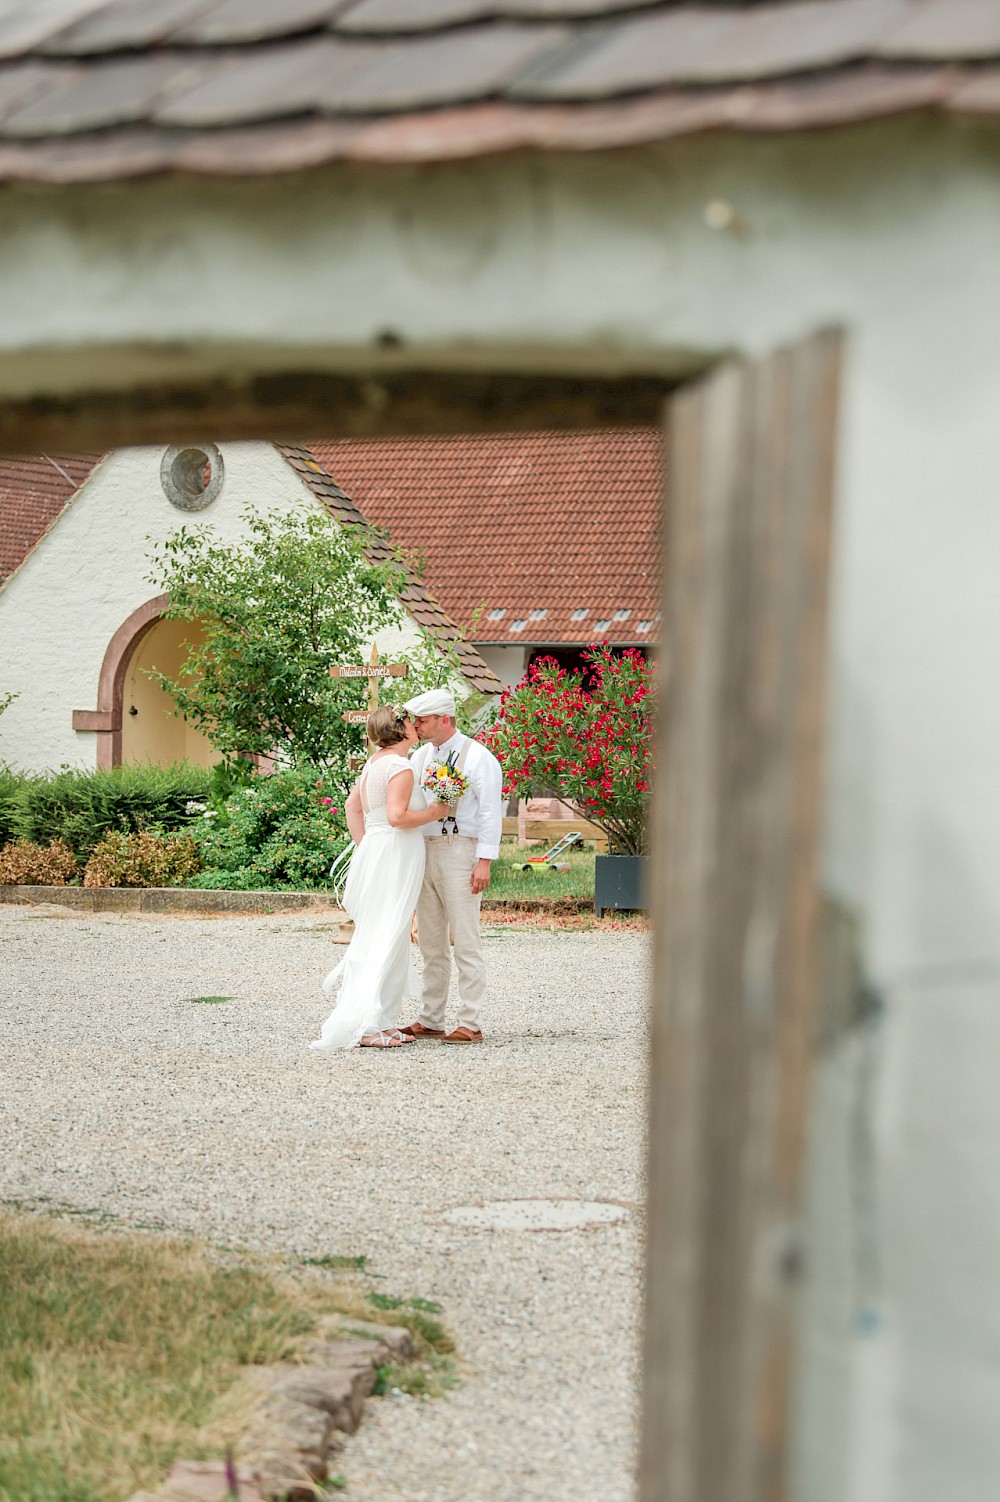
(463,1035)
(417,1030)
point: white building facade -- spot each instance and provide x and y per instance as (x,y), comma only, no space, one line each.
(82,623)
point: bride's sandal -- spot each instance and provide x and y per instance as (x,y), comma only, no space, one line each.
(388,1038)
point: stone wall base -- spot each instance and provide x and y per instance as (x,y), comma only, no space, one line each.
(195,900)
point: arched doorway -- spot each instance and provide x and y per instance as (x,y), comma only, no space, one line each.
(151,730)
(134,718)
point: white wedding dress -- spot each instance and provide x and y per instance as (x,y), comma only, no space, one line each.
(383,883)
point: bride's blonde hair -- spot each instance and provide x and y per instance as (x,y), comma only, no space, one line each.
(386,727)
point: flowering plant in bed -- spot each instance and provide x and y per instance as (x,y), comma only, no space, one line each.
(282,829)
(586,737)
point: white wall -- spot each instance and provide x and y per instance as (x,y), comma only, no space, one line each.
(507,662)
(59,610)
(900,1354)
(892,230)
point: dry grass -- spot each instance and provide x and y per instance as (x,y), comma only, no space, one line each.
(497,920)
(120,1352)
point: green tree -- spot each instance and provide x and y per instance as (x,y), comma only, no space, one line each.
(276,610)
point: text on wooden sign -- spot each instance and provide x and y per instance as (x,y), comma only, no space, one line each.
(371,670)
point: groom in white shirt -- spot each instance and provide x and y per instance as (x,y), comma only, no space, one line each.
(457,871)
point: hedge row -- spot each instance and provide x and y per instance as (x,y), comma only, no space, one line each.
(80,808)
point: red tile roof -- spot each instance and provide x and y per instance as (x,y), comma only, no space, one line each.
(33,491)
(523,523)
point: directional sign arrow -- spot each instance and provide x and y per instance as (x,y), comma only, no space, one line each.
(355,716)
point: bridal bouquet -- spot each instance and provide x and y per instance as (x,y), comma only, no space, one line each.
(444,783)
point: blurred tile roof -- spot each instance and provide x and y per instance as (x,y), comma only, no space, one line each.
(103,89)
(33,491)
(555,534)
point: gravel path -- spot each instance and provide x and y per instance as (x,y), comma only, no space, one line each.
(120,1095)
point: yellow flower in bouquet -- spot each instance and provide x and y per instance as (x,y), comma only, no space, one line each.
(444,782)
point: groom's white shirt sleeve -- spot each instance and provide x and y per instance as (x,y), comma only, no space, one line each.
(480,812)
(486,777)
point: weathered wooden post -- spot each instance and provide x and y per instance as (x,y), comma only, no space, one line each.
(735,905)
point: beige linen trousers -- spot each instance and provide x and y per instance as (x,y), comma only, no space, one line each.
(446,902)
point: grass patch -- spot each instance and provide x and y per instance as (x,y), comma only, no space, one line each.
(578,881)
(332,1260)
(432,1378)
(434,1373)
(119,1351)
(429,1335)
(390,1301)
(209,1001)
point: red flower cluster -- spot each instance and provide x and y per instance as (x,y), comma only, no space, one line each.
(591,746)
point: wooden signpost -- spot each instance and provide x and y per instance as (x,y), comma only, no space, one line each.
(371,672)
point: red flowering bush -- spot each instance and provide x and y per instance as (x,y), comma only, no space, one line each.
(589,746)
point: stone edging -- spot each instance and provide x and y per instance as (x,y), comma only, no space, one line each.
(199,900)
(297,1414)
(165,899)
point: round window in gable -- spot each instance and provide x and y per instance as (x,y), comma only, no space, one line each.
(191,477)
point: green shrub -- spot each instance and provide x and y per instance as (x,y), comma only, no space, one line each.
(25,864)
(142,858)
(276,832)
(11,785)
(80,807)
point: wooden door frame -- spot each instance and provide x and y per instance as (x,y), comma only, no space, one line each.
(691,1405)
(106,719)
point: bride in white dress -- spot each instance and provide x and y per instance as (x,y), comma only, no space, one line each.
(385,814)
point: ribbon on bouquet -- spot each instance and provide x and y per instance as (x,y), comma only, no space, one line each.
(451,760)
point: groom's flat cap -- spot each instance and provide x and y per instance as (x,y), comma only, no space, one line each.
(435,701)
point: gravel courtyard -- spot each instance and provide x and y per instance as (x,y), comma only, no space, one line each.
(121,1094)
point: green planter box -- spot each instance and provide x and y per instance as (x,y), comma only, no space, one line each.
(620,882)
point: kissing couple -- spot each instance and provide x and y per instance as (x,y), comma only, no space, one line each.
(416,852)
